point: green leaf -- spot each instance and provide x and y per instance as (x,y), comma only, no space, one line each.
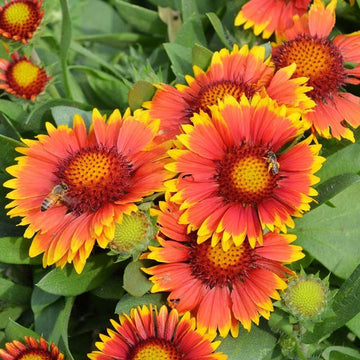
(340,353)
(191,32)
(128,302)
(345,305)
(136,282)
(12,110)
(34,121)
(65,315)
(180,58)
(9,313)
(121,40)
(15,331)
(255,345)
(67,282)
(142,19)
(223,34)
(201,56)
(344,161)
(140,92)
(354,325)
(64,115)
(7,158)
(15,250)
(331,234)
(13,293)
(333,186)
(112,288)
(41,299)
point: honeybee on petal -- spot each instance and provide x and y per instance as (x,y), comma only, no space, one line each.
(273,164)
(57,194)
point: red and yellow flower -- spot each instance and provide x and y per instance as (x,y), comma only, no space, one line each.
(236,73)
(19,19)
(151,334)
(33,349)
(93,179)
(22,78)
(323,61)
(233,178)
(221,288)
(269,16)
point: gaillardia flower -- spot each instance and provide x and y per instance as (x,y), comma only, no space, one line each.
(71,187)
(269,16)
(323,61)
(33,349)
(21,77)
(151,334)
(19,19)
(221,288)
(233,180)
(236,73)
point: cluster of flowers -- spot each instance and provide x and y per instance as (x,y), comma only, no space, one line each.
(234,152)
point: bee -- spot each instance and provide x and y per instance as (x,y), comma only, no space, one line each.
(57,193)
(174,303)
(273,164)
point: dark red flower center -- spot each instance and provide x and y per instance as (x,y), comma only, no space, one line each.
(20,18)
(216,267)
(316,58)
(94,176)
(155,349)
(25,79)
(211,93)
(244,175)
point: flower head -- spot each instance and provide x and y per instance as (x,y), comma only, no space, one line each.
(306,297)
(22,78)
(269,16)
(151,334)
(71,187)
(323,61)
(19,19)
(233,179)
(236,73)
(33,349)
(221,288)
(133,235)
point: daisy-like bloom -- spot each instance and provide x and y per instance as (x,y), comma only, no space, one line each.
(233,180)
(71,187)
(21,77)
(33,349)
(19,19)
(269,16)
(151,334)
(241,71)
(323,61)
(221,288)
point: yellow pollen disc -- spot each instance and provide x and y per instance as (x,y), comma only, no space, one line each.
(25,73)
(35,355)
(250,175)
(89,169)
(225,259)
(17,14)
(156,350)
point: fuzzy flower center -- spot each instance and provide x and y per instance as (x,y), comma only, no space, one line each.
(34,354)
(25,79)
(210,94)
(155,349)
(95,176)
(216,267)
(131,232)
(306,297)
(243,175)
(316,58)
(20,18)
(25,73)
